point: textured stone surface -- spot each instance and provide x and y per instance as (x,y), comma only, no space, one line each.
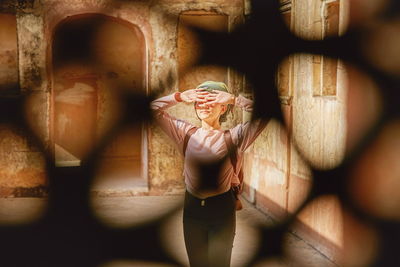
(8,54)
(12,6)
(165,162)
(123,212)
(277,177)
(21,165)
(32,52)
(321,224)
(37,114)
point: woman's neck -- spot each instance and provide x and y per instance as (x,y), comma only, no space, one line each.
(210,125)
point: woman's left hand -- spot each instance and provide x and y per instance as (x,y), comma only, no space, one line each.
(219,97)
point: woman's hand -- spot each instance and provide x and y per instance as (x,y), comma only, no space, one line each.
(190,96)
(197,95)
(207,98)
(219,97)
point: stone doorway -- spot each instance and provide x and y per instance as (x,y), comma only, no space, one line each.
(95,58)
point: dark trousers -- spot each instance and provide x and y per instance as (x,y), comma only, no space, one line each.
(209,229)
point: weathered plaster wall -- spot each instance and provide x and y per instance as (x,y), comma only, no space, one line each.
(158,21)
(22,165)
(319,128)
(165,162)
(8,53)
(86,89)
(278,179)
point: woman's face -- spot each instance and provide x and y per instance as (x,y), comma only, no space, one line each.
(209,113)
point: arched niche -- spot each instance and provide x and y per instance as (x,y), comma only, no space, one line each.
(95,58)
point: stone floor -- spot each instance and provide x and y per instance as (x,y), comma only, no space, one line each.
(127,211)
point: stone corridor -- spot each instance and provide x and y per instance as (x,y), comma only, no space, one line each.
(122,212)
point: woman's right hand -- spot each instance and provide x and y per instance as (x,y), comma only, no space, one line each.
(193,95)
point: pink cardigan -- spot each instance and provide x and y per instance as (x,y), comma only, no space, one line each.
(208,145)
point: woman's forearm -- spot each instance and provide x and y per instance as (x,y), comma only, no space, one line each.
(244,103)
(164,102)
(173,127)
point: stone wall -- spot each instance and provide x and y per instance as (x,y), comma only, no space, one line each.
(312,91)
(313,96)
(22,165)
(31,68)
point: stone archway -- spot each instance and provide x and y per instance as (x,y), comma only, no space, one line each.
(94,57)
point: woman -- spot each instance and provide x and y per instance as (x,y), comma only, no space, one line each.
(209,217)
